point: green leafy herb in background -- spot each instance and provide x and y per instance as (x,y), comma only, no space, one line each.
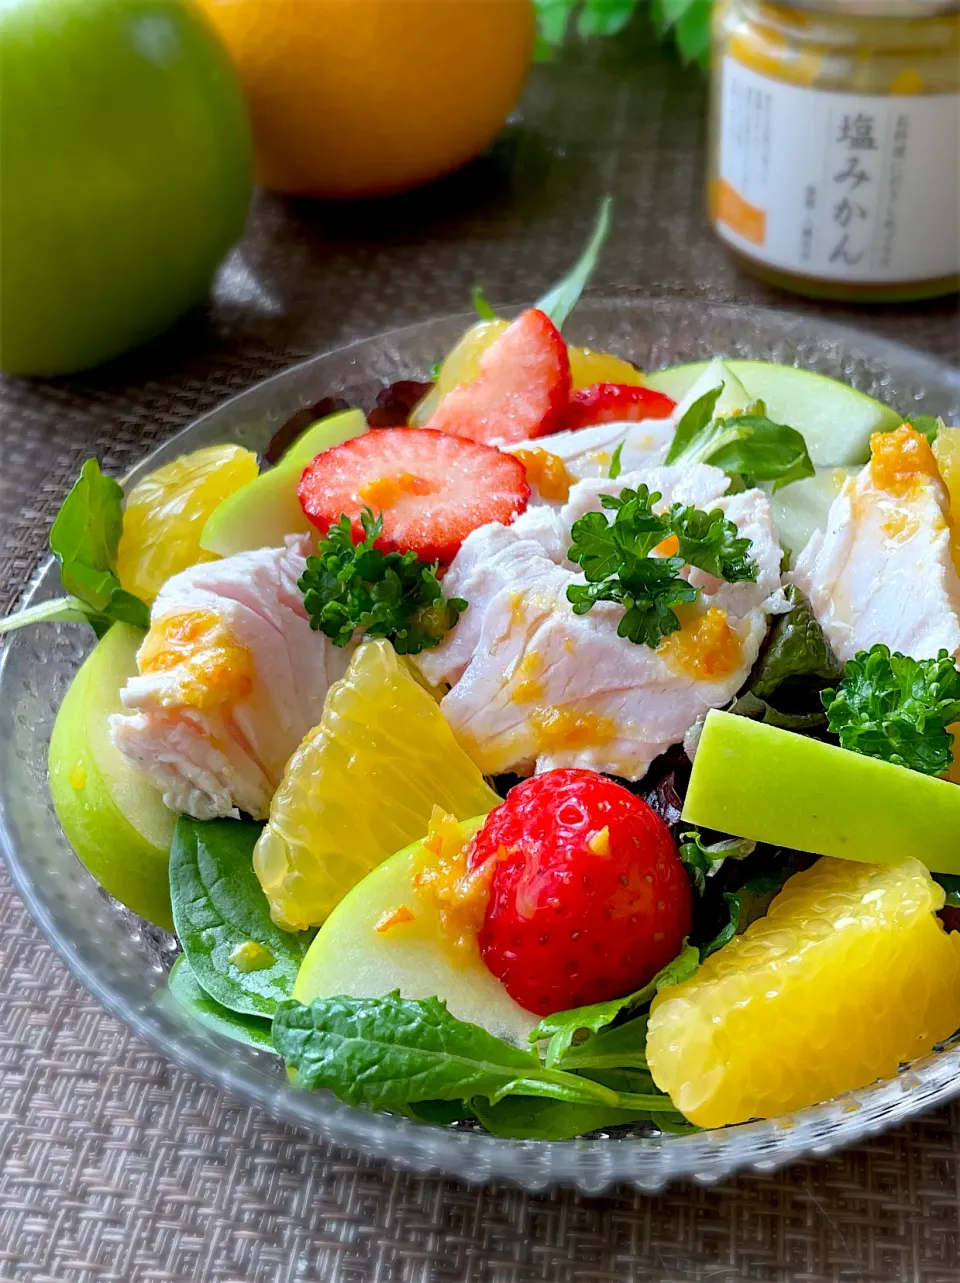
(897,708)
(253,1030)
(84,539)
(616,560)
(237,954)
(687,22)
(750,445)
(355,588)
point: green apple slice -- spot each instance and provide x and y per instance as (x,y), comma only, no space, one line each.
(113,818)
(732,400)
(350,956)
(263,512)
(757,781)
(802,507)
(835,420)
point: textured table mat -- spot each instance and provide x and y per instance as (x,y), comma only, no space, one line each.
(117,1168)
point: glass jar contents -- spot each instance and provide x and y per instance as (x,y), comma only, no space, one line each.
(835,145)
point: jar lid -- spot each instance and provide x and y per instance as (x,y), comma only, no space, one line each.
(880,8)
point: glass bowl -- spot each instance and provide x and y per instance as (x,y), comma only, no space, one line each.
(124,961)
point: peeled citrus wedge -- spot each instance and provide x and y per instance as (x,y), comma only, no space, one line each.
(849,975)
(166,512)
(361,786)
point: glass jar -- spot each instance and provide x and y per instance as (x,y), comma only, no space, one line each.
(835,145)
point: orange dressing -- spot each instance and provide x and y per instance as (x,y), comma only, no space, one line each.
(208,666)
(548,473)
(556,728)
(705,647)
(901,462)
(668,547)
(528,689)
(394,918)
(456,894)
(386,492)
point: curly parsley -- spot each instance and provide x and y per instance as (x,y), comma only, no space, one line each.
(616,560)
(353,588)
(897,708)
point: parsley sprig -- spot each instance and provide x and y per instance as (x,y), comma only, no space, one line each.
(616,560)
(353,588)
(897,708)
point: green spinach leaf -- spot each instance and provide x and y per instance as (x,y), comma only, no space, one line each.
(526,1118)
(84,539)
(236,952)
(797,648)
(253,1030)
(745,905)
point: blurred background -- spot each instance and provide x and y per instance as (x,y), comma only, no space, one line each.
(405,150)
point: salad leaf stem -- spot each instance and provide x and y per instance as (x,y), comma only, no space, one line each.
(65,610)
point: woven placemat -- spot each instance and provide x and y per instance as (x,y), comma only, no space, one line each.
(117,1168)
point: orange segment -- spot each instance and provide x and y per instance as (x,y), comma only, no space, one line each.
(165,515)
(850,974)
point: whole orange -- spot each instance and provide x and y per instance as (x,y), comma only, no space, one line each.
(364,97)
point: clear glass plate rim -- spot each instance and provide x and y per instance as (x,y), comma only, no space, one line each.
(649,1163)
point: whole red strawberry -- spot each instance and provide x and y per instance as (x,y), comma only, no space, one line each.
(588,898)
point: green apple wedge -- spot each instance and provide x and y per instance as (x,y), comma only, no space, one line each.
(757,781)
(835,420)
(802,507)
(114,820)
(263,512)
(349,956)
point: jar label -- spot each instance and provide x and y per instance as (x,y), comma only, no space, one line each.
(851,187)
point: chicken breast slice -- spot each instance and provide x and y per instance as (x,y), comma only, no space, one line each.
(231,677)
(882,570)
(588,452)
(534,686)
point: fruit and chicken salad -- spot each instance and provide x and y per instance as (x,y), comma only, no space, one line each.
(555,748)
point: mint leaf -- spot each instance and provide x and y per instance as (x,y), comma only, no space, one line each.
(897,708)
(560,301)
(355,588)
(480,304)
(393,1052)
(252,1030)
(235,950)
(561,1028)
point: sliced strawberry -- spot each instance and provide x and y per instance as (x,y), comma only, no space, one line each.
(431,488)
(615,403)
(522,389)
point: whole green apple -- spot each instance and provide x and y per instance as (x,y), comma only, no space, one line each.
(125,174)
